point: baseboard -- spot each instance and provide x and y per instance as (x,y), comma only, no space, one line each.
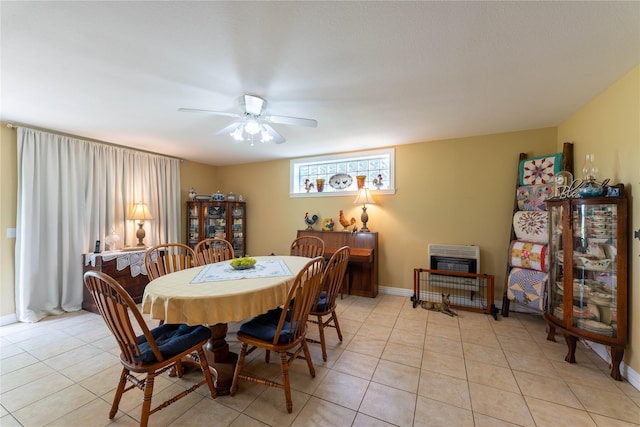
(8,319)
(603,351)
(629,374)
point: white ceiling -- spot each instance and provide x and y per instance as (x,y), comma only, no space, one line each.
(372,73)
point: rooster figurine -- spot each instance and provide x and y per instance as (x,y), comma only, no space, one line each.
(346,223)
(310,221)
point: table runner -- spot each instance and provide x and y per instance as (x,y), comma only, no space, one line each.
(222,271)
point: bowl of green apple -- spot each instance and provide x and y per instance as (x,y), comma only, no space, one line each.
(243,263)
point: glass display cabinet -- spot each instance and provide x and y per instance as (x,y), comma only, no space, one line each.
(217,219)
(587,293)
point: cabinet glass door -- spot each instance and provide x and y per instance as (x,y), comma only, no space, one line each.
(594,267)
(237,228)
(216,221)
(192,212)
(555,294)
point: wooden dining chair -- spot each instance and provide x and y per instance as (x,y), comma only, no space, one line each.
(325,305)
(283,330)
(168,258)
(210,251)
(307,246)
(153,352)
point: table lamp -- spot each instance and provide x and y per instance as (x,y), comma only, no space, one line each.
(140,212)
(364,198)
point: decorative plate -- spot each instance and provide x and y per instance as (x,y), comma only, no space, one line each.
(340,181)
(327,224)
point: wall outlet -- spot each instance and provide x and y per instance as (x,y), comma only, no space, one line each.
(11,233)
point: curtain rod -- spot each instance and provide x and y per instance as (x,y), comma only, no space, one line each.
(13,126)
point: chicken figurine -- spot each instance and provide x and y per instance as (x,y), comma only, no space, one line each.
(310,221)
(346,223)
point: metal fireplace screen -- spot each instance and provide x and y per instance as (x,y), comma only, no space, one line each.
(467,291)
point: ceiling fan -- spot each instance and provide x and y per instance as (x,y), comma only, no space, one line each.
(254,122)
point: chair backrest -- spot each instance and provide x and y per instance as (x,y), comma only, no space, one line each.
(308,246)
(302,295)
(210,251)
(333,276)
(117,309)
(168,258)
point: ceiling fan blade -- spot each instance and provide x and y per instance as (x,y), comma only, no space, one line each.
(253,104)
(277,138)
(296,121)
(228,129)
(217,113)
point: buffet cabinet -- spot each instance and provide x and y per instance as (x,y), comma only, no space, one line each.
(587,291)
(217,219)
(361,277)
(126,267)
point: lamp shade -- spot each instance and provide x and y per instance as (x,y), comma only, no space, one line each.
(140,211)
(364,197)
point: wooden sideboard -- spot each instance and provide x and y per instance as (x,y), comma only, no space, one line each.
(362,272)
(126,267)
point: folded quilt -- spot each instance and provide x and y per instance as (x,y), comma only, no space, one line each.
(531,226)
(526,287)
(532,197)
(528,255)
(540,170)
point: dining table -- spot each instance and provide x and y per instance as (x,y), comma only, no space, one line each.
(216,294)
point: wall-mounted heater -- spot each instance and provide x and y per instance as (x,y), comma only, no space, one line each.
(454,270)
(455,258)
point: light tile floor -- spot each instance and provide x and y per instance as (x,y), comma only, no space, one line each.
(396,366)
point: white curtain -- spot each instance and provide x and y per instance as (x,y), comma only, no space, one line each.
(71,193)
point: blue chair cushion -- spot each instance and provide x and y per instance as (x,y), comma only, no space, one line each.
(265,325)
(322,302)
(171,339)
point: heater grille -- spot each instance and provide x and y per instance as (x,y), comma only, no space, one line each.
(456,251)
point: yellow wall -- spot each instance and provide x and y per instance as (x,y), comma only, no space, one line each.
(458,191)
(609,127)
(8,195)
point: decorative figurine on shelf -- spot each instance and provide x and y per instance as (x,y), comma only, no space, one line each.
(377,182)
(112,240)
(346,223)
(308,185)
(192,194)
(327,224)
(310,221)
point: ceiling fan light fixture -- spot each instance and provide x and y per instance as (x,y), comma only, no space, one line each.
(251,126)
(237,133)
(266,136)
(254,123)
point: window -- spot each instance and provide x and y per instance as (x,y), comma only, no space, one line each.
(337,174)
